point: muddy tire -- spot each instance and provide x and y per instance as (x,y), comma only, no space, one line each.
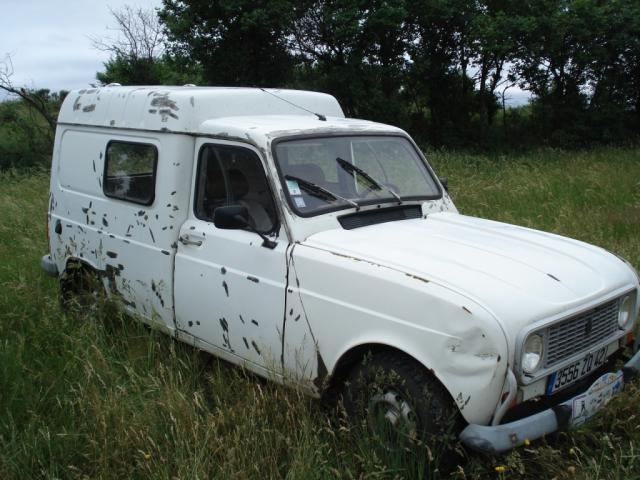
(81,288)
(401,404)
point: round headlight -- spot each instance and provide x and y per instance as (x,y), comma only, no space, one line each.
(624,312)
(532,353)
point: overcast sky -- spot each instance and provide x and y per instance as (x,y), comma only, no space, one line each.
(49,45)
(47,39)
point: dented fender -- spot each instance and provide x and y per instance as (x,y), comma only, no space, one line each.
(452,336)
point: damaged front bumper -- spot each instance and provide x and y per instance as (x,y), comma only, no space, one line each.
(575,411)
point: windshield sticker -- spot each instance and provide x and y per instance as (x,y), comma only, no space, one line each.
(299,201)
(293,187)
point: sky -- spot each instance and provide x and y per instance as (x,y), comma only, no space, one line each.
(48,39)
(49,45)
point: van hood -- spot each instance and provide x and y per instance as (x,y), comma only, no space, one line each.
(519,275)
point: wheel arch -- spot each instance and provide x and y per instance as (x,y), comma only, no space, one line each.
(355,354)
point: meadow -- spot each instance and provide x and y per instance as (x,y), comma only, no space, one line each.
(97,395)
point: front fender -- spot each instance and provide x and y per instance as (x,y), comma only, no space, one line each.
(351,302)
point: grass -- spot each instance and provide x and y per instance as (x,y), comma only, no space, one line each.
(100,396)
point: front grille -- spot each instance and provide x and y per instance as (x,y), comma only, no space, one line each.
(578,333)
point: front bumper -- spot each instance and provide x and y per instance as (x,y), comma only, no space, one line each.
(500,438)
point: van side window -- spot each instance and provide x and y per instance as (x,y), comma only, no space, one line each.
(130,171)
(230,175)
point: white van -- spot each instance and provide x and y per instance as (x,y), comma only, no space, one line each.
(264,227)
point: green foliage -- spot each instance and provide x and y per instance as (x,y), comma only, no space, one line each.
(438,67)
(240,42)
(165,70)
(96,395)
(26,139)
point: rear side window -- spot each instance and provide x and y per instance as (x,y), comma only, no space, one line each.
(130,172)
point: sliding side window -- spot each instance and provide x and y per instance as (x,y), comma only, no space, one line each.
(130,172)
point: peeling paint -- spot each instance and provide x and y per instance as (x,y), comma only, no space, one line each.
(225,334)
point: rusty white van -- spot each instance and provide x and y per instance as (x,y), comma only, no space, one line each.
(266,228)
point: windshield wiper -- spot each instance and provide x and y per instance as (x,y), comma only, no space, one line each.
(320,192)
(352,170)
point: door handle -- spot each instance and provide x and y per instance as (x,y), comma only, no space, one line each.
(185,240)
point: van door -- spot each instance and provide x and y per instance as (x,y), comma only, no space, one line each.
(229,289)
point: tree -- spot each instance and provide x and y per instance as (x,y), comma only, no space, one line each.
(138,52)
(42,101)
(355,50)
(241,42)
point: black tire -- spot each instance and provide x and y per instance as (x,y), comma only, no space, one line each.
(81,287)
(389,387)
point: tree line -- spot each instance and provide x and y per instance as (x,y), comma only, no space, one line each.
(442,69)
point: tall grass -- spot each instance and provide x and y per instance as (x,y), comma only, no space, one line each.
(100,396)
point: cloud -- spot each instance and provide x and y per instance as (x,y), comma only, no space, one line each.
(48,40)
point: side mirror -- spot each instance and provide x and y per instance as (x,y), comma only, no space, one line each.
(235,217)
(445,182)
(232,217)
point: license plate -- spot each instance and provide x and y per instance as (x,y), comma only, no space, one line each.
(571,373)
(587,405)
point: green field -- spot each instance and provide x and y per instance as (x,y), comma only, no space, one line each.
(99,396)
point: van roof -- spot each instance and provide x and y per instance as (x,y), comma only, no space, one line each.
(185,109)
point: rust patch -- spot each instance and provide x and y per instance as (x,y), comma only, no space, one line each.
(165,106)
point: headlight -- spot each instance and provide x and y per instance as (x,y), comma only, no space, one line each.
(624,312)
(532,353)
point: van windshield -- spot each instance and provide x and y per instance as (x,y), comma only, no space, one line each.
(330,173)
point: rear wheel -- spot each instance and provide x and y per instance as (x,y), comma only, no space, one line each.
(400,403)
(81,287)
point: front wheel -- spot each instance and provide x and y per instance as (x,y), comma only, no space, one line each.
(400,403)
